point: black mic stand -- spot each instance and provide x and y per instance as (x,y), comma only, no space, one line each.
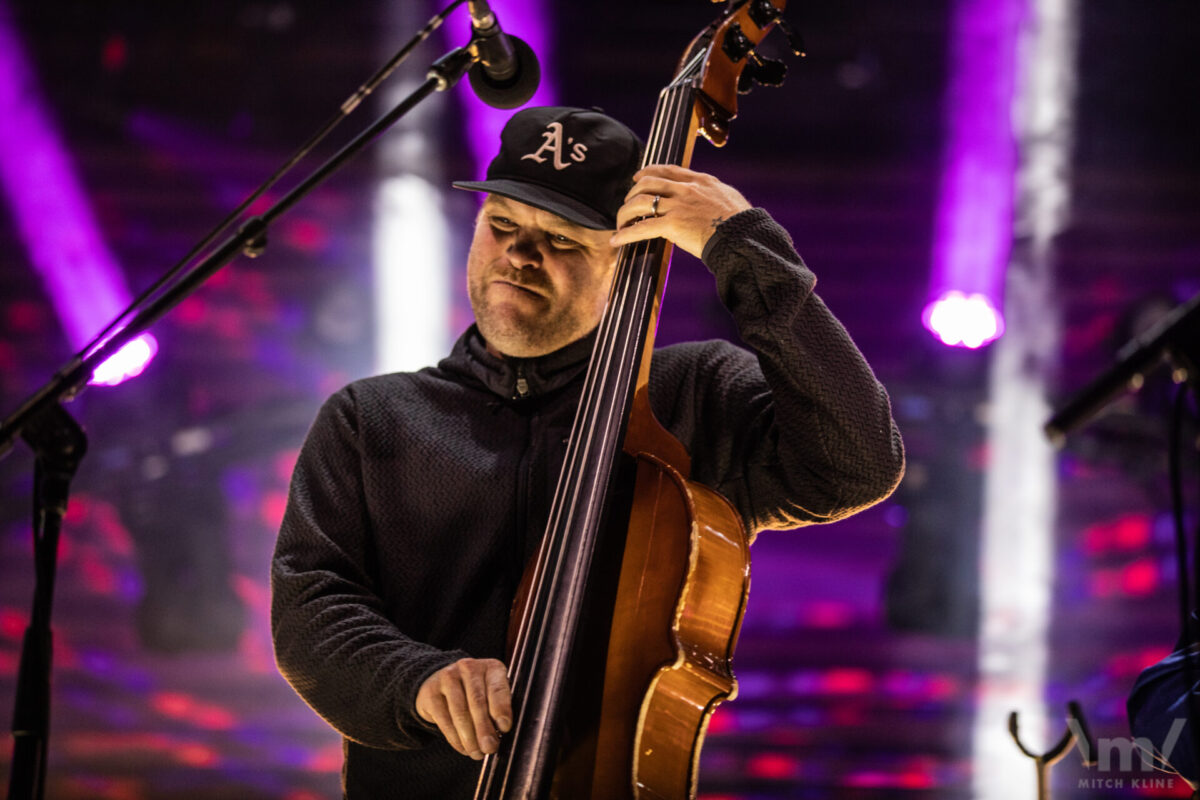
(59,445)
(59,442)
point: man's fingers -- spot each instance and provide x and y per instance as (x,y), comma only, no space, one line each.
(667,172)
(675,225)
(483,732)
(468,700)
(645,228)
(438,712)
(690,207)
(490,702)
(499,697)
(651,186)
(641,206)
(456,695)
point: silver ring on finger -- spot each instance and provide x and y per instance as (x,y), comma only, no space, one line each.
(654,206)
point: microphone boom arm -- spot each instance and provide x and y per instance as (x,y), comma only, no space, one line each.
(1176,335)
(250,238)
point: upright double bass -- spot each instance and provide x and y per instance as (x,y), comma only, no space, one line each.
(624,628)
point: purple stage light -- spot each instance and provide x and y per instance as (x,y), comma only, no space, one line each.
(51,210)
(974,221)
(962,320)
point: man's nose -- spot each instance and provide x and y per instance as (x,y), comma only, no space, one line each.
(524,252)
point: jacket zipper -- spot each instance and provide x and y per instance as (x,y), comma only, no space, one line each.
(522,384)
(521,392)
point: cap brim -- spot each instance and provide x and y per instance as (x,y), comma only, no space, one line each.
(546,199)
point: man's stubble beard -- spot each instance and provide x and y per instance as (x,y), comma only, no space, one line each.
(521,335)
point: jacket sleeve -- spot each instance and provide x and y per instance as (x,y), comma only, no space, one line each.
(333,642)
(801,431)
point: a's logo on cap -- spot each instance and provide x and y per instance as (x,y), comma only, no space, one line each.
(552,140)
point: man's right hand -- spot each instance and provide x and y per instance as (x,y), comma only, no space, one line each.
(470,702)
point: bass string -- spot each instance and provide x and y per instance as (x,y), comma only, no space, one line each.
(637,278)
(601,401)
(630,255)
(667,136)
(667,140)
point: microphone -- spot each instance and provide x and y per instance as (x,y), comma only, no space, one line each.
(1176,335)
(506,72)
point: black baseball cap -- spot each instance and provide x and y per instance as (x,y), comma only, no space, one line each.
(574,162)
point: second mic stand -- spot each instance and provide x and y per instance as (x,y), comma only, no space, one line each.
(1176,337)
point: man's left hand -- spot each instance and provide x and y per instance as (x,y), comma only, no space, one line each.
(689,207)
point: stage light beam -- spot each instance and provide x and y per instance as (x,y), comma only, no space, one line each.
(973,222)
(52,213)
(1020,501)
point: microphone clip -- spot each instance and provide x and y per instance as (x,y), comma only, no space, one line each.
(449,69)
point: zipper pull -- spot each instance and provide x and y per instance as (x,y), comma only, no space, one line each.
(522,384)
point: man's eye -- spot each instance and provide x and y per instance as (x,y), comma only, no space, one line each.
(562,242)
(502,223)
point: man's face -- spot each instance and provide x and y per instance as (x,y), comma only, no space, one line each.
(536,281)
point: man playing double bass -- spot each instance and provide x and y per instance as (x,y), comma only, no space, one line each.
(419,497)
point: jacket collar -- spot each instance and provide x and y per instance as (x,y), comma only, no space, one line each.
(517,378)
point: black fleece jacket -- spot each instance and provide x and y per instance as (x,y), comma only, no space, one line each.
(417,497)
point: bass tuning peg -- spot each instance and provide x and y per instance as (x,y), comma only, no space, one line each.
(765,71)
(745,81)
(795,40)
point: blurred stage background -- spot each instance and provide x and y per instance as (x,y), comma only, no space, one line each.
(859,657)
